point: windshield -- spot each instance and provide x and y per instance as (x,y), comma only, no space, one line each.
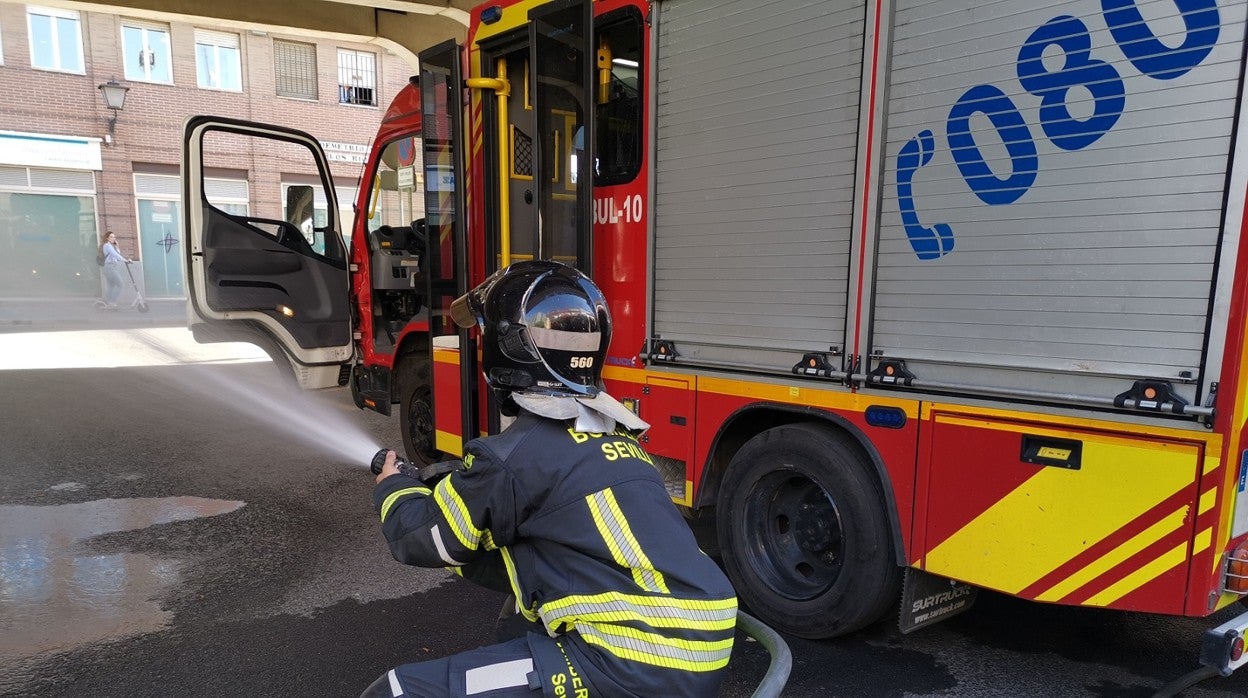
(396,192)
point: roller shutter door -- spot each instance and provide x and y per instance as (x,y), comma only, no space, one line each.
(757,117)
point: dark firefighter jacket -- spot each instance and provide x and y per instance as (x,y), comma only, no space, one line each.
(592,547)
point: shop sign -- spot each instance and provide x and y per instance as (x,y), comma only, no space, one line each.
(49,150)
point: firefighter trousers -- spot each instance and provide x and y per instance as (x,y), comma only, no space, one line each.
(531,666)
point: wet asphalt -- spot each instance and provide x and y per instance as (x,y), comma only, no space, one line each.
(164,534)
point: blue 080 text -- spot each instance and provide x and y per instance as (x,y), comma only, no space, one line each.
(1138,44)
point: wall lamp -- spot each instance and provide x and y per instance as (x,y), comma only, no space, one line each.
(115,99)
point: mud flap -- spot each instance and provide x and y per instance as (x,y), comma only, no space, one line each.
(927,599)
(370,388)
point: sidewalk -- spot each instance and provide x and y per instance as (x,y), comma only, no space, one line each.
(50,314)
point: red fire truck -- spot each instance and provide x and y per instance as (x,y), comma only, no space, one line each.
(926,294)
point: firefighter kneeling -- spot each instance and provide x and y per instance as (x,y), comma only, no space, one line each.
(620,599)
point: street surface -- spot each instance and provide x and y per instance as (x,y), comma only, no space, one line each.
(175,522)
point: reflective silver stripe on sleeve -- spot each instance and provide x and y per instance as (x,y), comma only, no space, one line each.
(456,513)
(438,543)
(624,546)
(395,689)
(495,676)
(560,340)
(655,611)
(650,648)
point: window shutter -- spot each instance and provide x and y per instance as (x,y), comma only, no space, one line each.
(157,185)
(226,189)
(294,65)
(211,38)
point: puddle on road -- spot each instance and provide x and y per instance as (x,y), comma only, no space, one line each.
(55,596)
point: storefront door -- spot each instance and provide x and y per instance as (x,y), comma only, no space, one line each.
(160,230)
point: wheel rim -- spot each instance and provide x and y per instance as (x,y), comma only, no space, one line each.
(793,533)
(420,422)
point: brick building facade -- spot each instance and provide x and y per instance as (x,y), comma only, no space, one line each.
(64,178)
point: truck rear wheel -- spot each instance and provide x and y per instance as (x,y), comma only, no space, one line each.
(416,415)
(804,534)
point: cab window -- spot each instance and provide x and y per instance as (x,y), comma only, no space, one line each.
(396,194)
(618,110)
(292,222)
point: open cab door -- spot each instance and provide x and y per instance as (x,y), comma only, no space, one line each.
(450,418)
(278,278)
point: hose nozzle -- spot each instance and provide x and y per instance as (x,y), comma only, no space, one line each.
(428,474)
(379,460)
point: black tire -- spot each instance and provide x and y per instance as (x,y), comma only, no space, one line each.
(142,307)
(804,533)
(416,414)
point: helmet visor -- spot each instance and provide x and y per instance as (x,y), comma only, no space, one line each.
(469,309)
(462,312)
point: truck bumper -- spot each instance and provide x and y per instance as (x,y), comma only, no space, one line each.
(1222,648)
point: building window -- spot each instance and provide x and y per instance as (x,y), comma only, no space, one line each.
(145,52)
(55,39)
(228,195)
(217,61)
(294,68)
(357,78)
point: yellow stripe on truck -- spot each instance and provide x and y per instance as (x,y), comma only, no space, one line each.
(1168,560)
(1116,556)
(1022,533)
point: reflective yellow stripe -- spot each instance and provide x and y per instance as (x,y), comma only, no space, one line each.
(457,514)
(1141,576)
(1118,555)
(1208,499)
(391,500)
(655,611)
(1157,471)
(649,648)
(625,548)
(514,579)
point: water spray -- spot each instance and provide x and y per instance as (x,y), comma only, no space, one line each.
(256,395)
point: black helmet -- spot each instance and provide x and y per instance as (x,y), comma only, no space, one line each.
(545,328)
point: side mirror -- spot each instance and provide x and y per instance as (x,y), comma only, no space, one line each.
(300,209)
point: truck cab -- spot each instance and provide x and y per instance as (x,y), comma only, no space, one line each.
(371,310)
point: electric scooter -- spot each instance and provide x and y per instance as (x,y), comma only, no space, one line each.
(139,303)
